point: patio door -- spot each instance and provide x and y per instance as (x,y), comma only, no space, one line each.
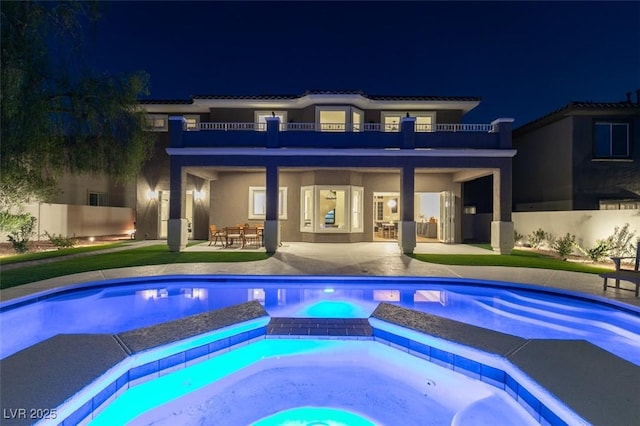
(446,231)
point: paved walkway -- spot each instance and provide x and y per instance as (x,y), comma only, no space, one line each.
(379,258)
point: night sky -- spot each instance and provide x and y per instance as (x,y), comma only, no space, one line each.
(524,59)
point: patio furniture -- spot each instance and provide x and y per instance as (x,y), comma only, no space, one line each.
(233,234)
(623,274)
(216,235)
(251,236)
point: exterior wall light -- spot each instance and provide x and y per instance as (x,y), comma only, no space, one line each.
(152,195)
(198,195)
(392,203)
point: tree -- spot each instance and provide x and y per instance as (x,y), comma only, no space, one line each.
(58,115)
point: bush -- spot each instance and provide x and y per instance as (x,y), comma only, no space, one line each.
(60,241)
(564,245)
(597,253)
(517,236)
(621,243)
(537,238)
(22,232)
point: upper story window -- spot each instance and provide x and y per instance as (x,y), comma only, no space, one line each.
(611,140)
(158,122)
(261,119)
(339,119)
(391,121)
(192,121)
(97,199)
(333,121)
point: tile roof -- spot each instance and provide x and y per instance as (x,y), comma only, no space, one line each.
(567,109)
(342,92)
(166,101)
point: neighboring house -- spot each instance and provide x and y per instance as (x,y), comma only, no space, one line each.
(584,156)
(322,167)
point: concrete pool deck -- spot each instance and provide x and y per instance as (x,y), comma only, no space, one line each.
(370,259)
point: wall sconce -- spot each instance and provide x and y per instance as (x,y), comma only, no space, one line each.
(198,195)
(392,203)
(152,195)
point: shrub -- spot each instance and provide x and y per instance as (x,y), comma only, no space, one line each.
(537,238)
(597,253)
(60,241)
(564,245)
(621,243)
(22,233)
(517,236)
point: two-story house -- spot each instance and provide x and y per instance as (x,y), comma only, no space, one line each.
(322,167)
(583,156)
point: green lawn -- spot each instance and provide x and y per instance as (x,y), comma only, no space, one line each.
(518,258)
(160,254)
(152,255)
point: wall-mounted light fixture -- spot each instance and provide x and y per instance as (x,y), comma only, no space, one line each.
(392,203)
(198,195)
(152,195)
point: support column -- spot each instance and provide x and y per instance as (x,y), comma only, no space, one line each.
(273,129)
(407,226)
(177,234)
(271,225)
(502,239)
(408,127)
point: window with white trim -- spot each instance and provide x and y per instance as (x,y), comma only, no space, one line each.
(258,202)
(192,122)
(391,120)
(611,140)
(339,118)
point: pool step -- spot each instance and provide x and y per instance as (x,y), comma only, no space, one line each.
(319,327)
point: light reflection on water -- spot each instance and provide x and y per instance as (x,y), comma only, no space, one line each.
(523,313)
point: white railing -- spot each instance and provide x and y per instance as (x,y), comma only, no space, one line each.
(342,127)
(231,126)
(464,128)
(301,126)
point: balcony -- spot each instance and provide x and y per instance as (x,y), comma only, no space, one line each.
(407,135)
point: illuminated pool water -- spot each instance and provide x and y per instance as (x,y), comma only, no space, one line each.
(315,382)
(120,305)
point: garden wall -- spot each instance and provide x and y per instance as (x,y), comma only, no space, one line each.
(79,220)
(587,225)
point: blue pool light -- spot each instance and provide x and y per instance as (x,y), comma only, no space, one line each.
(314,416)
(329,290)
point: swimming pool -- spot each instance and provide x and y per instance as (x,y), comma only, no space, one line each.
(119,305)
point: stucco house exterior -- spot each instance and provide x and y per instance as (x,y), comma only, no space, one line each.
(321,167)
(583,156)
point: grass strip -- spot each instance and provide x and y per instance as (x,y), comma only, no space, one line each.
(518,258)
(25,257)
(151,255)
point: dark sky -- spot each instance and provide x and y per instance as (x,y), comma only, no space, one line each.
(524,59)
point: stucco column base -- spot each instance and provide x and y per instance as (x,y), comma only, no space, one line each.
(502,237)
(177,234)
(271,235)
(407,236)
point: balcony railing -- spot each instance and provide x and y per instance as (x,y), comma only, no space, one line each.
(342,127)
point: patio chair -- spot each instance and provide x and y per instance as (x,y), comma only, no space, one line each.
(252,236)
(233,234)
(216,235)
(624,274)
